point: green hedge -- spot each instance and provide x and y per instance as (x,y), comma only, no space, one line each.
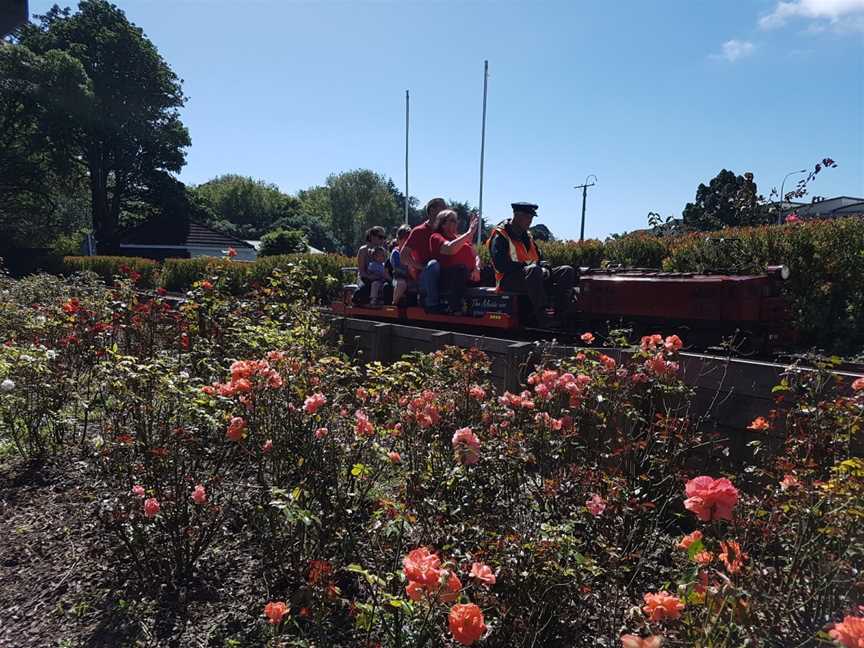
(826,260)
(109,267)
(178,275)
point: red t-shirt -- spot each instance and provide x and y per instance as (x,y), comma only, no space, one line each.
(465,255)
(418,241)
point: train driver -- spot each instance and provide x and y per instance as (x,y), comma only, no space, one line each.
(516,259)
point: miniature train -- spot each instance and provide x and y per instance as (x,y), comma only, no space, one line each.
(707,308)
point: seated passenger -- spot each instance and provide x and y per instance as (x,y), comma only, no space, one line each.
(456,255)
(415,255)
(401,276)
(377,275)
(516,259)
(374,238)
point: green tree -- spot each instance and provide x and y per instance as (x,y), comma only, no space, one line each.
(416,215)
(245,207)
(315,203)
(41,98)
(131,134)
(313,230)
(360,199)
(542,233)
(728,200)
(282,242)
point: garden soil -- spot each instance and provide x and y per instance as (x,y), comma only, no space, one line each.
(61,586)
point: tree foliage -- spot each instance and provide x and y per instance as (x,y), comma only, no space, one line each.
(245,207)
(728,200)
(41,97)
(130,136)
(282,241)
(360,199)
(542,233)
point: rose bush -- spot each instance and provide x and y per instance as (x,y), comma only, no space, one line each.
(413,504)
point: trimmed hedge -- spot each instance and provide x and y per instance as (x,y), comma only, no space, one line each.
(178,275)
(108,267)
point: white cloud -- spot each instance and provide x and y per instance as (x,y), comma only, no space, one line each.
(842,15)
(732,50)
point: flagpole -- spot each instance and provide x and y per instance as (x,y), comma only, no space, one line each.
(406,156)
(483,148)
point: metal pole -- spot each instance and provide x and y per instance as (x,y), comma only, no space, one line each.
(406,156)
(782,197)
(582,229)
(483,148)
(584,188)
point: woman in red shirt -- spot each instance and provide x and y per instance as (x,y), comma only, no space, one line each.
(456,255)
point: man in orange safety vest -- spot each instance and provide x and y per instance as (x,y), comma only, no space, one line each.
(516,259)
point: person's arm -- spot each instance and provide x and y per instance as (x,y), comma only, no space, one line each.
(452,247)
(363,263)
(407,255)
(501,256)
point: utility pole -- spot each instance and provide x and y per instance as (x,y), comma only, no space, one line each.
(584,188)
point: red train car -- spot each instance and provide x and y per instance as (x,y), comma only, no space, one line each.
(706,308)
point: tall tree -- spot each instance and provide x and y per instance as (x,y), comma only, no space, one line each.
(728,200)
(246,207)
(132,133)
(360,199)
(41,98)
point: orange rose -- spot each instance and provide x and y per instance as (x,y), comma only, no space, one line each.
(662,606)
(274,611)
(466,623)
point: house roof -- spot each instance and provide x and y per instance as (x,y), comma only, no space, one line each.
(180,233)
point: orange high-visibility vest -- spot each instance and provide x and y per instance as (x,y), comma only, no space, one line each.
(519,252)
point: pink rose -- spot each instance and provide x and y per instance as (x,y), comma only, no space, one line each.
(138,490)
(313,403)
(199,495)
(482,574)
(711,499)
(596,505)
(236,429)
(151,507)
(394,457)
(466,446)
(321,432)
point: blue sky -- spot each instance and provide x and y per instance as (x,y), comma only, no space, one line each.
(651,97)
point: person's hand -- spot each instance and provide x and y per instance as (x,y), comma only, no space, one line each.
(474,224)
(475,276)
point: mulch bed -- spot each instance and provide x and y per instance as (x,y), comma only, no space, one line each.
(61,584)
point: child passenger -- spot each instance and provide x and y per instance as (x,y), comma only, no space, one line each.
(401,275)
(378,275)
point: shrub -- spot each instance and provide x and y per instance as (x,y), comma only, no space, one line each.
(282,241)
(412,504)
(636,251)
(110,267)
(826,286)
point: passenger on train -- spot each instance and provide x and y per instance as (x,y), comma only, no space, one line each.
(378,275)
(456,256)
(375,237)
(401,277)
(517,262)
(415,255)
